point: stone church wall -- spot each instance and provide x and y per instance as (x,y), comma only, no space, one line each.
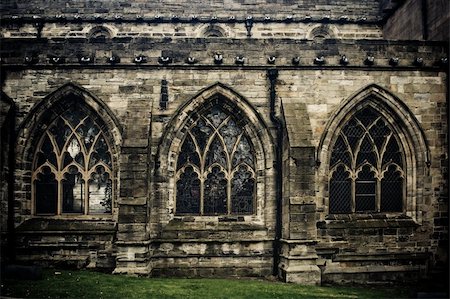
(143,236)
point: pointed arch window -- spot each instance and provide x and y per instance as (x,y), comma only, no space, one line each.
(72,167)
(215,167)
(366,166)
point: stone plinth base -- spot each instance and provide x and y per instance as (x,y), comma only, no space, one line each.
(298,262)
(303,274)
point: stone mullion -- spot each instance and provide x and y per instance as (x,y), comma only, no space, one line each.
(378,195)
(353,199)
(228,171)
(202,175)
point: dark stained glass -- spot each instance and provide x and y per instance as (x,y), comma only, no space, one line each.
(242,188)
(71,139)
(243,153)
(216,154)
(216,116)
(46,192)
(88,131)
(47,153)
(188,192)
(392,191)
(75,114)
(215,201)
(101,153)
(61,133)
(218,139)
(73,190)
(67,159)
(201,131)
(230,132)
(188,153)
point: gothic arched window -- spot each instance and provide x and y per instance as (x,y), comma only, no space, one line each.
(215,167)
(72,167)
(366,166)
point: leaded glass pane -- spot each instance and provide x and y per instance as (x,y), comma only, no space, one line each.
(367,116)
(216,154)
(365,191)
(216,116)
(243,153)
(47,153)
(353,131)
(73,191)
(46,192)
(209,145)
(392,191)
(188,153)
(215,201)
(230,133)
(340,191)
(188,192)
(370,139)
(340,153)
(242,188)
(366,152)
(392,153)
(379,132)
(88,131)
(60,132)
(67,159)
(74,115)
(101,153)
(100,192)
(201,131)
(70,138)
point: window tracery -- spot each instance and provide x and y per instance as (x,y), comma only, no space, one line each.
(73,166)
(215,167)
(366,166)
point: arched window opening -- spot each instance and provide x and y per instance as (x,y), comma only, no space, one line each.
(215,167)
(366,166)
(72,167)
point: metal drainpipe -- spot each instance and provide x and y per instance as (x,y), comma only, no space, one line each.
(11,165)
(272,74)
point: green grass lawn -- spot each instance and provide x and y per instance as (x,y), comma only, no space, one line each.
(88,284)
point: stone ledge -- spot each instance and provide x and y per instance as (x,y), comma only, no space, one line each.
(48,225)
(253,240)
(361,223)
(380,257)
(371,269)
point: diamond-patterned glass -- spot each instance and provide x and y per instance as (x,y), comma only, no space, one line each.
(340,191)
(242,188)
(392,191)
(370,139)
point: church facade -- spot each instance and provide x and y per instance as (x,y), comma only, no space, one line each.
(238,138)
